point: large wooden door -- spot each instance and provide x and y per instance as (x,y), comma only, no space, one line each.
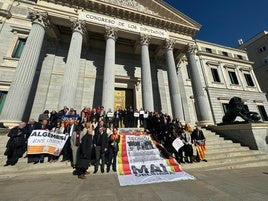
(123,98)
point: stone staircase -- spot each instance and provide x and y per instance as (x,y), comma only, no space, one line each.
(224,154)
(221,155)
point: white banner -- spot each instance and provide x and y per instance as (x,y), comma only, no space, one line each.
(122,24)
(139,162)
(42,141)
(177,144)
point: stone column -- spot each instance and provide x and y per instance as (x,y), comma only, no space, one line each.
(174,90)
(109,65)
(71,71)
(19,91)
(146,79)
(203,109)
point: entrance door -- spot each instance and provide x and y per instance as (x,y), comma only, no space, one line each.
(123,98)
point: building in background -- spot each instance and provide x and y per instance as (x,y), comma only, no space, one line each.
(116,54)
(257,49)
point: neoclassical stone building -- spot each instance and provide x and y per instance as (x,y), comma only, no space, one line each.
(116,53)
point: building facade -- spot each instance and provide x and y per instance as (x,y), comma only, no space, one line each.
(116,54)
(257,49)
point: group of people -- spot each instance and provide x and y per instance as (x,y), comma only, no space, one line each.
(93,137)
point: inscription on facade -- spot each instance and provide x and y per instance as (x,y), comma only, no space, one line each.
(132,4)
(122,24)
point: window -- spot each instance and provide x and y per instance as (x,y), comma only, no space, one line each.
(225,107)
(3,95)
(208,50)
(215,75)
(262,49)
(233,77)
(225,54)
(239,57)
(263,113)
(19,48)
(249,80)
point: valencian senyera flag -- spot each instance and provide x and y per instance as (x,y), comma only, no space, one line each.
(140,162)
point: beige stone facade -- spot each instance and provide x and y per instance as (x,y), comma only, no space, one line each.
(119,40)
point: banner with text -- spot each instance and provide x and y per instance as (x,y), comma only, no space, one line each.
(139,162)
(66,118)
(122,24)
(45,142)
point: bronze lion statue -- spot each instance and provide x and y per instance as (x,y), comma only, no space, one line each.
(237,109)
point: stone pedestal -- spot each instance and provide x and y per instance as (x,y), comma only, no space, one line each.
(253,135)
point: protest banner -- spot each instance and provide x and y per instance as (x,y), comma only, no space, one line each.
(139,162)
(65,119)
(45,142)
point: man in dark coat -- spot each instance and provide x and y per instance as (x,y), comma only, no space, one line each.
(84,154)
(100,142)
(16,144)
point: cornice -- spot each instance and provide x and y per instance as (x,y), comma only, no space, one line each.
(5,13)
(212,55)
(126,13)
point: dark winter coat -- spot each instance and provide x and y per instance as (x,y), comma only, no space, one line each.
(84,151)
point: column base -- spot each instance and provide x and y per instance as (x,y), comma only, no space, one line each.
(205,123)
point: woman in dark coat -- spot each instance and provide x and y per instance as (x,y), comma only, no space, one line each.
(84,154)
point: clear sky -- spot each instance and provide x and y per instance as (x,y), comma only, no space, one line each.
(224,22)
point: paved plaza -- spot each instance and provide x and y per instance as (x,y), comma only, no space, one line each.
(241,184)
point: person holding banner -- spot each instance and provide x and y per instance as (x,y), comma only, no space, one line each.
(136,118)
(59,130)
(113,142)
(67,152)
(43,126)
(199,141)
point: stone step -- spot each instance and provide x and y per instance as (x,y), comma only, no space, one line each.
(235,165)
(227,161)
(231,154)
(222,145)
(224,150)
(44,168)
(221,154)
(239,165)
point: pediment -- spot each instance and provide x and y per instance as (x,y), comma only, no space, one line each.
(157,8)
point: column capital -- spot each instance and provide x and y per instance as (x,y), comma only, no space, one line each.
(170,43)
(145,39)
(191,48)
(111,32)
(78,26)
(40,18)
